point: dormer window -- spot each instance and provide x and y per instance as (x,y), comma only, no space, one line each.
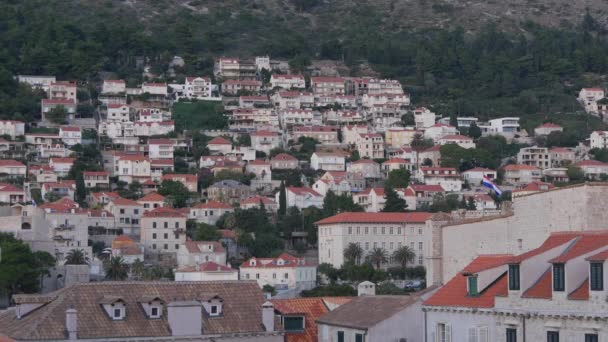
(154,312)
(559,277)
(596,277)
(472,285)
(293,323)
(215,311)
(118,313)
(514,277)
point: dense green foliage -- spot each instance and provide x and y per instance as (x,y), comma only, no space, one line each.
(198,115)
(175,192)
(20,268)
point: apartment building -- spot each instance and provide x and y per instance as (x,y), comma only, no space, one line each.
(301,197)
(287,81)
(589,97)
(12,168)
(371,145)
(132,167)
(265,141)
(388,231)
(446,177)
(12,128)
(535,156)
(284,161)
(366,167)
(160,148)
(518,174)
(127,214)
(163,230)
(113,87)
(284,272)
(209,212)
(96,179)
(322,134)
(458,139)
(327,161)
(193,253)
(327,86)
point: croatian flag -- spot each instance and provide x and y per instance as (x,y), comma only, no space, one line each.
(489,184)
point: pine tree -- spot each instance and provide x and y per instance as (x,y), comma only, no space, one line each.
(81,191)
(282,200)
(394,203)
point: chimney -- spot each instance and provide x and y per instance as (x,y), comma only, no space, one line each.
(71,323)
(268,316)
(185,318)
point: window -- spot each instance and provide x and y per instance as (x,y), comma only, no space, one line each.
(176,246)
(552,336)
(154,236)
(153,224)
(514,277)
(375,230)
(286,275)
(154,313)
(146,205)
(153,246)
(419,231)
(391,245)
(472,285)
(350,230)
(591,338)
(166,246)
(274,276)
(166,236)
(366,230)
(559,278)
(340,336)
(383,230)
(399,230)
(420,259)
(176,224)
(257,276)
(358,230)
(117,313)
(136,211)
(419,246)
(366,246)
(511,335)
(444,333)
(293,323)
(214,311)
(359,338)
(122,211)
(166,225)
(390,231)
(597,276)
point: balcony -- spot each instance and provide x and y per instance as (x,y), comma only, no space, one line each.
(65,227)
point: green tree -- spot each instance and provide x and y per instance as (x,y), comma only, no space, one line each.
(175,192)
(269,289)
(57,115)
(330,290)
(244,140)
(399,178)
(378,256)
(575,173)
(81,191)
(353,253)
(394,203)
(282,200)
(408,119)
(474,131)
(206,232)
(21,270)
(419,143)
(471,205)
(116,268)
(404,255)
(138,269)
(76,257)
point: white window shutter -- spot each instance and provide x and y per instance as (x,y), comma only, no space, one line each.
(483,334)
(473,334)
(448,333)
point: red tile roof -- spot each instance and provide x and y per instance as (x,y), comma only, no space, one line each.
(486,263)
(518,167)
(586,242)
(554,240)
(362,217)
(70,129)
(264,134)
(95,173)
(207,267)
(455,137)
(258,162)
(219,141)
(542,287)
(164,212)
(322,79)
(537,186)
(257,200)
(581,292)
(426,187)
(591,163)
(454,293)
(284,156)
(178,176)
(152,197)
(601,256)
(227,233)
(58,102)
(125,202)
(213,205)
(194,246)
(62,160)
(549,125)
(11,163)
(288,261)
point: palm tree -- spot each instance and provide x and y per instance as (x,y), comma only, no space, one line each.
(353,252)
(76,257)
(378,256)
(116,268)
(403,255)
(138,269)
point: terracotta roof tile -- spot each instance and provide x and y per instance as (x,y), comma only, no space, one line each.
(213,205)
(366,311)
(362,217)
(542,287)
(219,141)
(164,212)
(152,197)
(581,292)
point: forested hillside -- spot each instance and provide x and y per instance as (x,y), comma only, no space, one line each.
(477,67)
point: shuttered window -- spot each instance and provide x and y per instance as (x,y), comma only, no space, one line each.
(514,277)
(511,335)
(597,276)
(559,278)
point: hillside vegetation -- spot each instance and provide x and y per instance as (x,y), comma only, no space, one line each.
(483,58)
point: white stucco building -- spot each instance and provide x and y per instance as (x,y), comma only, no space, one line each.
(284,272)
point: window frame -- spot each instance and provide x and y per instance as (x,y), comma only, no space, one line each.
(552,336)
(559,277)
(472,288)
(511,334)
(596,281)
(514,277)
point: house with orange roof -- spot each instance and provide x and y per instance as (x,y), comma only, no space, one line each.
(63,188)
(327,85)
(261,169)
(301,197)
(287,81)
(371,199)
(532,188)
(70,135)
(517,174)
(12,168)
(152,201)
(340,182)
(367,167)
(193,253)
(257,202)
(130,251)
(439,130)
(11,194)
(219,145)
(396,164)
(284,161)
(283,272)
(551,293)
(593,169)
(163,231)
(588,97)
(209,212)
(160,148)
(547,128)
(388,231)
(322,134)
(102,197)
(61,166)
(350,133)
(562,156)
(132,167)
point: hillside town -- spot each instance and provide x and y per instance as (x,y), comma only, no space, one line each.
(260,203)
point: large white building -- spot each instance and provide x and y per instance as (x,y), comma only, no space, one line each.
(284,272)
(447,177)
(599,139)
(163,231)
(556,292)
(535,156)
(388,231)
(287,81)
(301,197)
(588,97)
(12,128)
